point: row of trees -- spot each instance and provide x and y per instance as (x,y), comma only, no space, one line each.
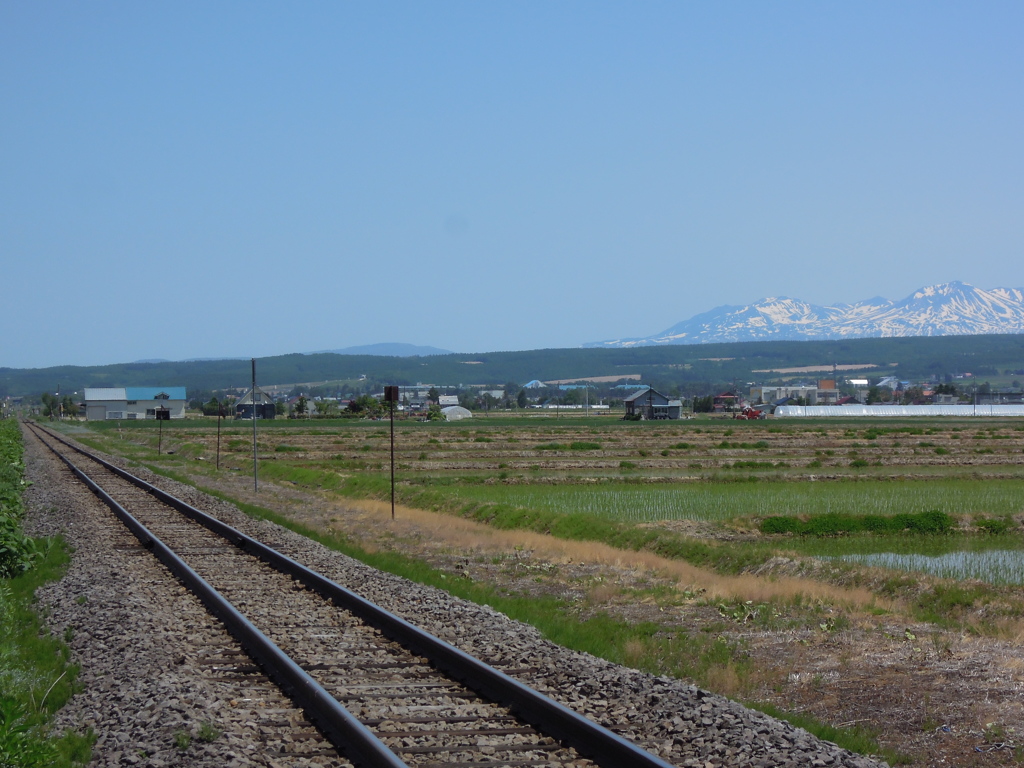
(58,407)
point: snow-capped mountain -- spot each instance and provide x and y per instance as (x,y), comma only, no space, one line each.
(949,309)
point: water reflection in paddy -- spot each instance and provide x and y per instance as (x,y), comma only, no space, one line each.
(996,566)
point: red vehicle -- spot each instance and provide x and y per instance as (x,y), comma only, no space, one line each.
(749,414)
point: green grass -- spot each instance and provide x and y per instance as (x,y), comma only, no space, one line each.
(907,543)
(36,679)
(17,551)
(855,739)
(718,501)
(932,522)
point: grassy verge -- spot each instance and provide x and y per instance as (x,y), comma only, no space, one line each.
(36,678)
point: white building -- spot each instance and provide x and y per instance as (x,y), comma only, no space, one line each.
(133,402)
(899,410)
(823,394)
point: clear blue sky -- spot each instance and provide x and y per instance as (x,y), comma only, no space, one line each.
(247,179)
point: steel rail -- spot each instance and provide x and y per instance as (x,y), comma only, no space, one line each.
(587,737)
(340,727)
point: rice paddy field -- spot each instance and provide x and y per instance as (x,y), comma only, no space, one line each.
(719,472)
(726,501)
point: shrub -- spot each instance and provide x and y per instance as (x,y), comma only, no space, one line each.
(933,522)
(994,526)
(758,465)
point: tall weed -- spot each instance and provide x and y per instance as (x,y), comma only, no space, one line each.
(17,551)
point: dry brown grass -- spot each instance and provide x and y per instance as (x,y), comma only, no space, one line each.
(724,679)
(1014,665)
(473,538)
(634,651)
(603,593)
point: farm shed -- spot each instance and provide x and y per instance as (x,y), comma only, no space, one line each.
(264,407)
(651,404)
(899,410)
(107,403)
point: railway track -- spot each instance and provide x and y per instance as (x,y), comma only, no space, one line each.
(382,691)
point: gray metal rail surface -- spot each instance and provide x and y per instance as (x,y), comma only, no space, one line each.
(337,723)
(587,737)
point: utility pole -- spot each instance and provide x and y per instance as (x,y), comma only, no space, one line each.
(255,474)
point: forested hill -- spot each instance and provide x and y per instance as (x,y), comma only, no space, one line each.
(910,358)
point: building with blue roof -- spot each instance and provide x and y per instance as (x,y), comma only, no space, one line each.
(112,403)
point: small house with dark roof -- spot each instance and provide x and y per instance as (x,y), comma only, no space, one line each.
(651,404)
(264,407)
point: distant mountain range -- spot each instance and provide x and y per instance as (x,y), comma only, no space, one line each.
(948,309)
(377,350)
(388,350)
